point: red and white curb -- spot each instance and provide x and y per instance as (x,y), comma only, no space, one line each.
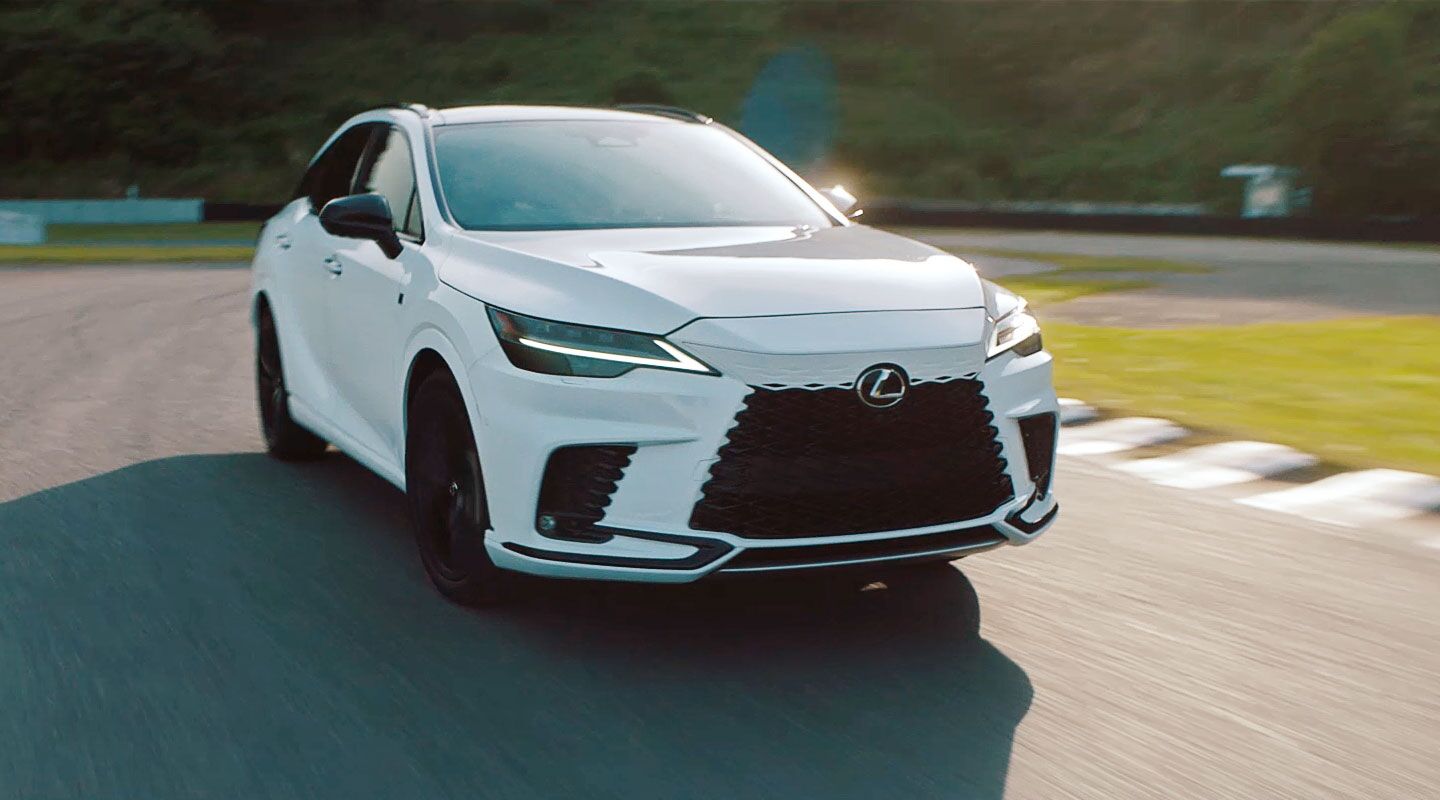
(1074,412)
(1355,499)
(1223,464)
(1352,499)
(1116,435)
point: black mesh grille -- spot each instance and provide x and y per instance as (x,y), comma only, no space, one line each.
(782,557)
(577,487)
(1038,433)
(803,462)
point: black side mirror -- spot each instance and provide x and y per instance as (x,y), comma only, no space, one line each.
(362,216)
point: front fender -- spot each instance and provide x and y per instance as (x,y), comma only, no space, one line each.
(461,335)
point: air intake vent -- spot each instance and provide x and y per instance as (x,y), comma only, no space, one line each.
(577,487)
(1038,434)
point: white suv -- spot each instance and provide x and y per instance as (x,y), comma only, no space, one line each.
(629,344)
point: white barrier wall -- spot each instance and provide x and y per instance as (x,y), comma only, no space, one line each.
(21,228)
(108,212)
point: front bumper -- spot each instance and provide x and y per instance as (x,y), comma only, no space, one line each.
(673,426)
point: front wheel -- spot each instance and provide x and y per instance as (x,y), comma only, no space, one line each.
(446,489)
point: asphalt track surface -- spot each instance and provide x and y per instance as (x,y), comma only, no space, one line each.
(180,616)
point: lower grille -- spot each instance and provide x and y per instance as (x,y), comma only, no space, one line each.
(803,462)
(577,487)
(763,558)
(1038,434)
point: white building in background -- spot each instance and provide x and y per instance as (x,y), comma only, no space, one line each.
(1269,189)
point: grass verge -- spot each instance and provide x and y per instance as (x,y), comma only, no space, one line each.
(1075,275)
(1357,392)
(120,253)
(1074,262)
(188,232)
(135,244)
(1047,289)
(921,233)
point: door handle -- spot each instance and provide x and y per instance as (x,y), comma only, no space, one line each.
(283,240)
(333,265)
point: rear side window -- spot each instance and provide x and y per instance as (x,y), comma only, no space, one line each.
(333,173)
(390,173)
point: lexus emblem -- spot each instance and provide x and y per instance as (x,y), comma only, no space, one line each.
(882,386)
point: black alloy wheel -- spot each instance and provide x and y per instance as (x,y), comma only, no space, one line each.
(446,488)
(284,438)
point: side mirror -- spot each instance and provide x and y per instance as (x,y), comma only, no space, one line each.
(842,200)
(362,216)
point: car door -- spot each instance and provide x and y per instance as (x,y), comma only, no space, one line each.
(366,306)
(304,282)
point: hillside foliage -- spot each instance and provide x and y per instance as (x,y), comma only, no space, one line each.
(1123,101)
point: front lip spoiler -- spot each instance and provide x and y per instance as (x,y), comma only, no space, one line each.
(833,558)
(1030,528)
(707,551)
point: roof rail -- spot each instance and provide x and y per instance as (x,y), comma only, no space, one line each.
(419,108)
(674,112)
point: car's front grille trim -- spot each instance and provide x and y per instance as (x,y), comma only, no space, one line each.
(818,462)
(923,546)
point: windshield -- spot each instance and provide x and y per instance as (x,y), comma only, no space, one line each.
(566,174)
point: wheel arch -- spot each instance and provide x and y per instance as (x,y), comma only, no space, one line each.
(430,351)
(425,363)
(258,304)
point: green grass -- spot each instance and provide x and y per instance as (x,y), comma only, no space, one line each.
(1043,290)
(1356,392)
(120,253)
(1073,262)
(921,232)
(180,232)
(1424,247)
(1073,276)
(133,244)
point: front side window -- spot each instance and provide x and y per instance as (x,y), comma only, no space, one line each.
(572,174)
(390,172)
(333,173)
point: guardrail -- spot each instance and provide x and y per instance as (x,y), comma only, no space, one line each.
(109,212)
(937,214)
(239,212)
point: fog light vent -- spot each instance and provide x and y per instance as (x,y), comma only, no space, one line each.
(1038,434)
(576,489)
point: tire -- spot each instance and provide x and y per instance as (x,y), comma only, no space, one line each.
(446,489)
(284,438)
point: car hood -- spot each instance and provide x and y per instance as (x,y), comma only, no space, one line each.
(658,279)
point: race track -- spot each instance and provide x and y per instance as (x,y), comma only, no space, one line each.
(181,616)
(1250,280)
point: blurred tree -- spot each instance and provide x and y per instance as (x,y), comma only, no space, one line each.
(1340,99)
(641,87)
(1013,99)
(90,78)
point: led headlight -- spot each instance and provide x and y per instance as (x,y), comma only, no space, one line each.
(556,348)
(1018,331)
